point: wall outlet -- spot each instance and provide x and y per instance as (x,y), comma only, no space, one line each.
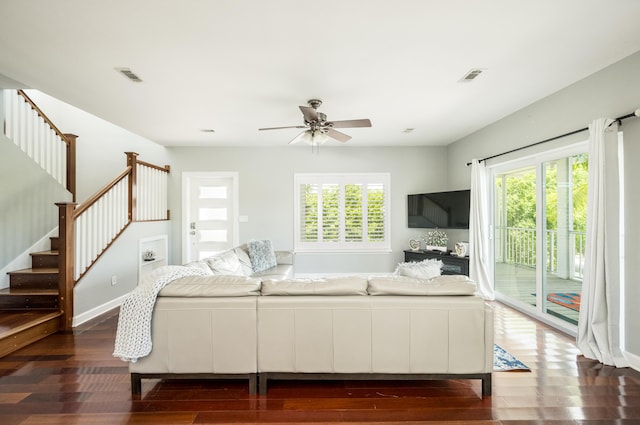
(114,280)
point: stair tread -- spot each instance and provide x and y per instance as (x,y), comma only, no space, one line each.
(51,252)
(36,270)
(14,322)
(21,291)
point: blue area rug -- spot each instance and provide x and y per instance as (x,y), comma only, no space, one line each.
(504,361)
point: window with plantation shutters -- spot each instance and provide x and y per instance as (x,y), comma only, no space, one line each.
(342,212)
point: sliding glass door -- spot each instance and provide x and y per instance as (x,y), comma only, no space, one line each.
(539,234)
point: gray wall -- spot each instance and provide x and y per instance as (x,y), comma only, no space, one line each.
(27,202)
(95,294)
(100,147)
(266,193)
(612,92)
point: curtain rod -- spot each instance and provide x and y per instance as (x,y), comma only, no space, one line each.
(636,113)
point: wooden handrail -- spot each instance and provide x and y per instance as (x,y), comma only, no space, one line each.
(166,168)
(100,193)
(43,116)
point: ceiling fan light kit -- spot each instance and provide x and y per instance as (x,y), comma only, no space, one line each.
(318,129)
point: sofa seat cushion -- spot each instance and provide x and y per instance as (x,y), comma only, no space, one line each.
(350,285)
(212,286)
(439,285)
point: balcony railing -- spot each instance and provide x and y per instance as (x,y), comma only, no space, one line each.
(517,245)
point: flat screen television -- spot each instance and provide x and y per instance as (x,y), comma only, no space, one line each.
(443,210)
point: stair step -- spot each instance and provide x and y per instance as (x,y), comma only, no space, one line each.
(34,278)
(19,329)
(44,259)
(28,299)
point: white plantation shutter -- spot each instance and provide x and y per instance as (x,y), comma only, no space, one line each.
(308,216)
(353,213)
(376,227)
(342,212)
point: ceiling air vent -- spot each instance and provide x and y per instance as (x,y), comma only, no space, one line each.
(471,75)
(129,74)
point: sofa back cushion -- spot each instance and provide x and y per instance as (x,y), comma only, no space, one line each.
(225,262)
(212,286)
(439,285)
(242,252)
(348,285)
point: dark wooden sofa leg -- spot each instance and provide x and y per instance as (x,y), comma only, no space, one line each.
(262,386)
(486,385)
(136,383)
(253,383)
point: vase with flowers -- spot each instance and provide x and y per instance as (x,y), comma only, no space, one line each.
(436,240)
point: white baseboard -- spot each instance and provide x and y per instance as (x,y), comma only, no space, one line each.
(97,311)
(634,360)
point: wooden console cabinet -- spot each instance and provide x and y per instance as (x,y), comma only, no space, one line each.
(451,264)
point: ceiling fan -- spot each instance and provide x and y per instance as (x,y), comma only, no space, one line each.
(318,129)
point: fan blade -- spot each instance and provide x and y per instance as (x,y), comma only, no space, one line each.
(309,113)
(351,123)
(297,138)
(335,134)
(280,128)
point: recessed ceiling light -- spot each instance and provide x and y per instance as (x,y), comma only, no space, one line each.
(408,130)
(471,75)
(129,74)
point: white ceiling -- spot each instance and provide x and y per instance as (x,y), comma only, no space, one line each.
(237,65)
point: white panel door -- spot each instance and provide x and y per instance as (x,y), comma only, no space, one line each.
(209,212)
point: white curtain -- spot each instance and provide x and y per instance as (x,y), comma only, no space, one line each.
(479,230)
(599,329)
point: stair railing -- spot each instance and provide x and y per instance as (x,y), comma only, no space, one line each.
(33,132)
(138,194)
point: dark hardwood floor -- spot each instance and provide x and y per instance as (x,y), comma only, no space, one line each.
(73,379)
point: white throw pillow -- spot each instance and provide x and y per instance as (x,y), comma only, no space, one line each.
(425,269)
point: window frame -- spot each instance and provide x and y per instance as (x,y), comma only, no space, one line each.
(343,179)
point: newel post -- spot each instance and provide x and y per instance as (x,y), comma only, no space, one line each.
(71,163)
(66,255)
(132,161)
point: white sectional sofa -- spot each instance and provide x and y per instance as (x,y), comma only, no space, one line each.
(385,327)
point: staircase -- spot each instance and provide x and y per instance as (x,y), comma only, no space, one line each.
(29,308)
(39,300)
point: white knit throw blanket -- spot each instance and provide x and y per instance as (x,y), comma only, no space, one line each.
(133,337)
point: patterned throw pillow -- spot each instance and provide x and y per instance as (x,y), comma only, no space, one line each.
(262,255)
